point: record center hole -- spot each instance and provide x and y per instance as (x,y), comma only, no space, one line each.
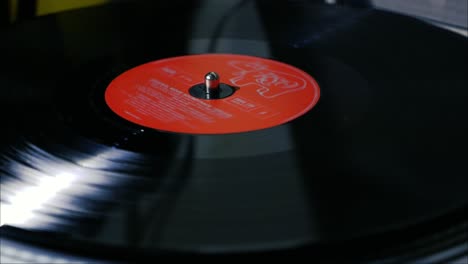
(212,88)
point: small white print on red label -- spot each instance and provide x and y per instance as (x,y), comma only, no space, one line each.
(270,83)
(156,94)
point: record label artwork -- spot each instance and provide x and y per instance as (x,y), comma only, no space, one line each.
(212,94)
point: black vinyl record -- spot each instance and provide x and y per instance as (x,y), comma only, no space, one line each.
(379,161)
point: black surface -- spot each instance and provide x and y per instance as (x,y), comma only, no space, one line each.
(26,9)
(199,91)
(384,150)
(4,13)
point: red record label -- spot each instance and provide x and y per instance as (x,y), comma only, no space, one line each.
(156,94)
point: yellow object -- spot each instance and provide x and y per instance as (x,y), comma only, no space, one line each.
(13,10)
(45,7)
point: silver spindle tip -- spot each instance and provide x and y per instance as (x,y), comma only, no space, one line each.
(211,82)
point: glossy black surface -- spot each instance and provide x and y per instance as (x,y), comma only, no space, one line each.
(384,149)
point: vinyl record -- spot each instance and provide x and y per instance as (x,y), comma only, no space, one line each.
(334,128)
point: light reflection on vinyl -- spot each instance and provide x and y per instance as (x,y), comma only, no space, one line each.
(19,210)
(23,253)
